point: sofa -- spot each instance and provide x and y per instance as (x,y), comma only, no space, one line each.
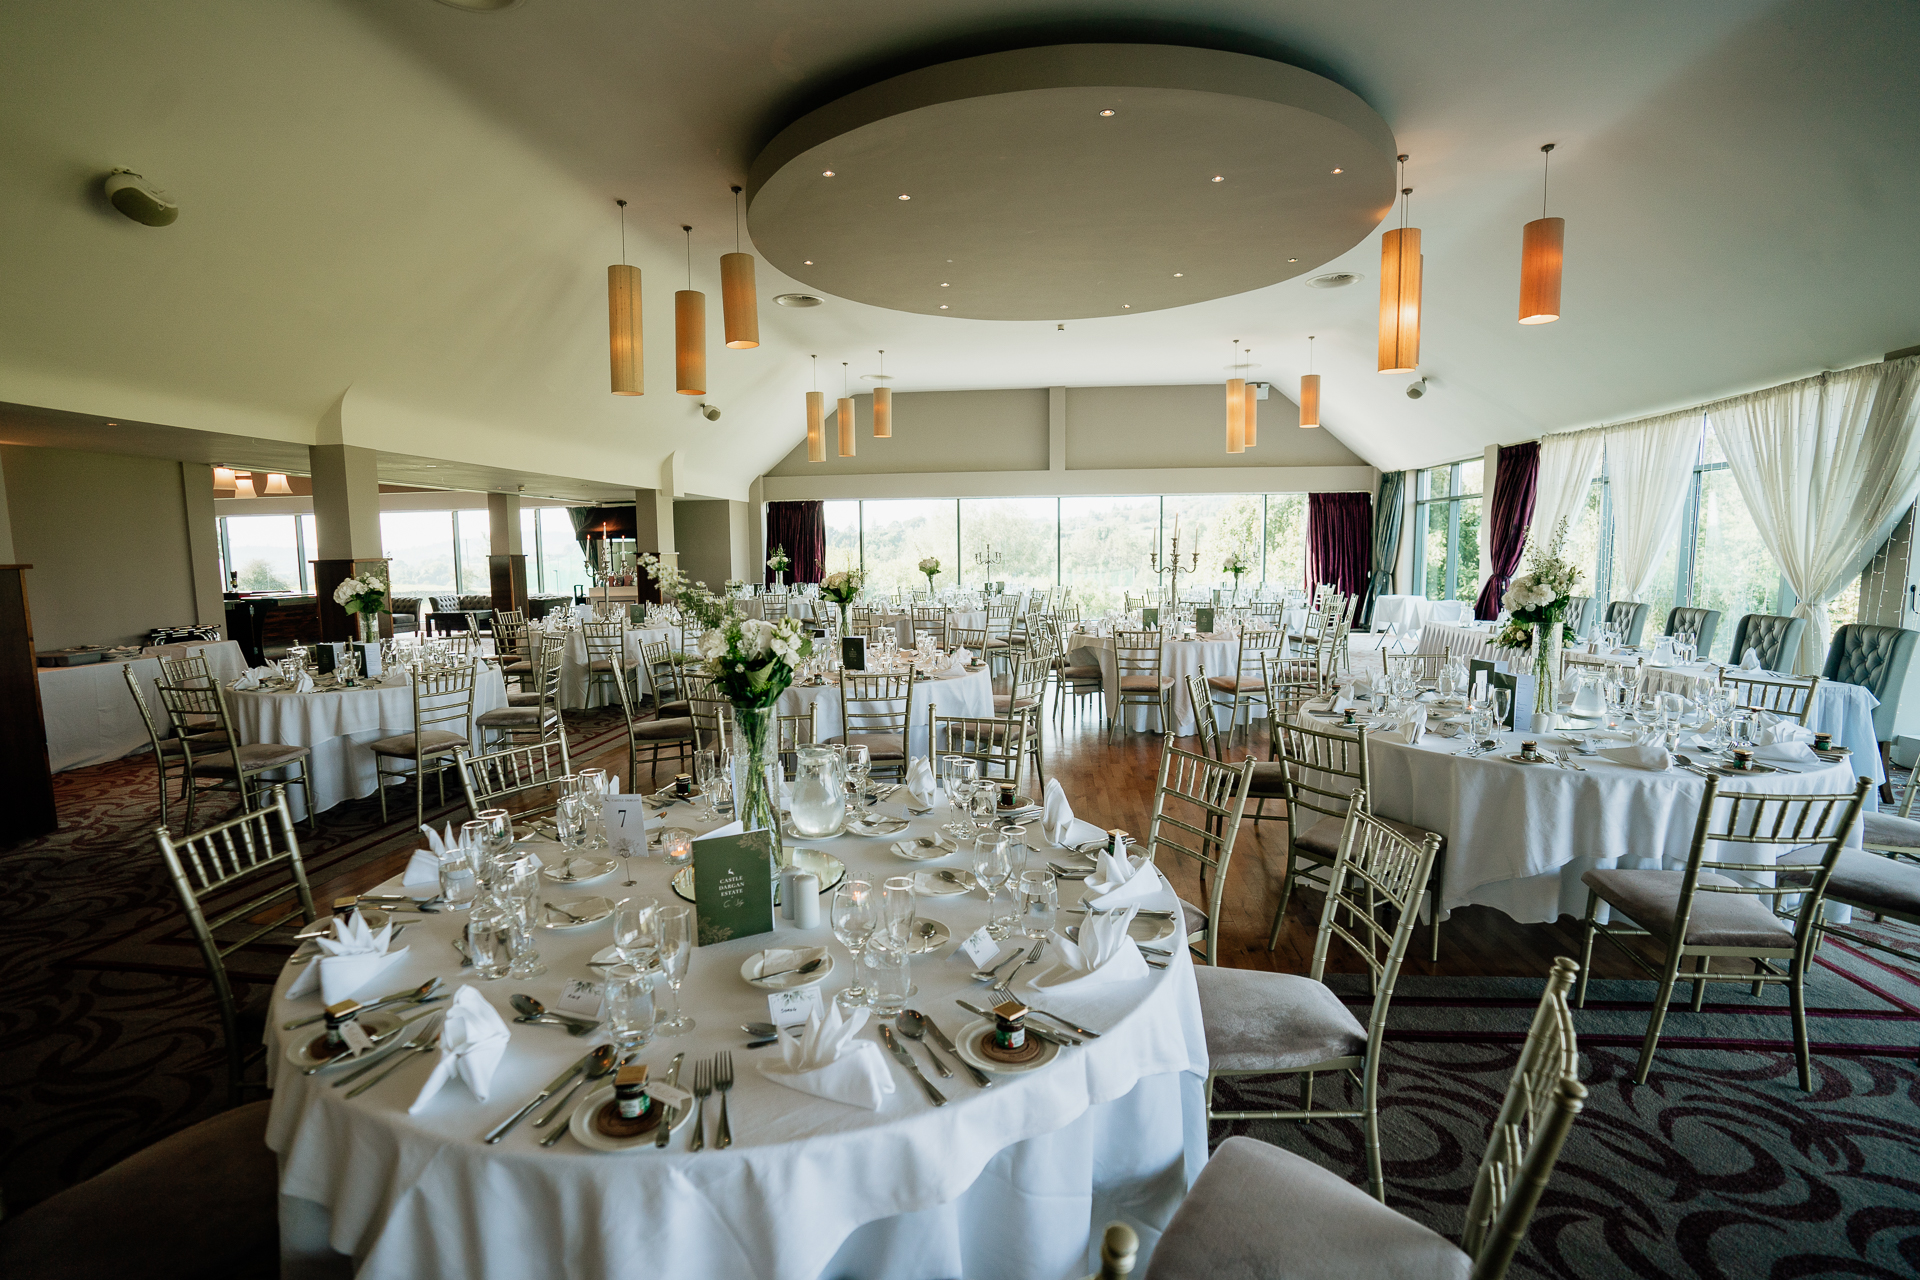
(416,613)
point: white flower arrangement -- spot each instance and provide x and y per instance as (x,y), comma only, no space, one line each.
(843,585)
(360,595)
(751,661)
(1236,564)
(1539,597)
(930,566)
(779,560)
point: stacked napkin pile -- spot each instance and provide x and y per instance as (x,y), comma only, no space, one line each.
(353,957)
(473,1039)
(1104,954)
(423,870)
(828,1062)
(1057,820)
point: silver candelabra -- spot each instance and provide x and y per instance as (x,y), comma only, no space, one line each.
(1173,568)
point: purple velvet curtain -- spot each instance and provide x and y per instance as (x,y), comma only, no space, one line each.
(1339,540)
(800,528)
(1507,521)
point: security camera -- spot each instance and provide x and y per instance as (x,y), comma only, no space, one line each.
(1416,389)
(711,412)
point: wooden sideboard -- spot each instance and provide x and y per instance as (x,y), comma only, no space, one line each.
(26,779)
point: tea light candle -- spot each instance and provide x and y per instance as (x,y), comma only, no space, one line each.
(677,844)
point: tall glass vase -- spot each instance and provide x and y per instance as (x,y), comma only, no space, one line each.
(1546,674)
(845,629)
(369,626)
(755,802)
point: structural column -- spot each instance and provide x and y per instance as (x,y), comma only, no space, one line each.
(653,531)
(507,565)
(346,519)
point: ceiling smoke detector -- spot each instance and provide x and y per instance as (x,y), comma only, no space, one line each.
(1335,280)
(796,299)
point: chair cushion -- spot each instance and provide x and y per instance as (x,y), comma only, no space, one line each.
(1260,1021)
(432,742)
(254,757)
(1258,1210)
(880,746)
(663,730)
(1269,780)
(1888,831)
(671,710)
(1193,918)
(1868,880)
(1150,684)
(519,664)
(512,718)
(1227,684)
(1003,702)
(519,699)
(1083,671)
(1322,839)
(1650,898)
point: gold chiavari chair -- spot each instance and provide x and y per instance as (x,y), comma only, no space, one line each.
(1424,667)
(442,722)
(1076,680)
(169,757)
(1248,685)
(1207,724)
(492,779)
(792,733)
(1708,911)
(607,660)
(1025,693)
(1261,1023)
(663,674)
(712,716)
(532,716)
(1789,699)
(1214,793)
(877,710)
(932,620)
(972,639)
(660,732)
(242,884)
(212,749)
(1137,659)
(999,743)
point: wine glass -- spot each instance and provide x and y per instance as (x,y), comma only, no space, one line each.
(595,786)
(636,932)
(990,870)
(854,916)
(964,775)
(899,912)
(859,773)
(522,892)
(674,925)
(1501,702)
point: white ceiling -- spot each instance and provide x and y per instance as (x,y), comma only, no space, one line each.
(414,204)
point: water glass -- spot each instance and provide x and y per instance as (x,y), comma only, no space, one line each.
(990,870)
(636,932)
(892,969)
(1502,700)
(706,767)
(855,916)
(630,1009)
(458,883)
(859,773)
(490,938)
(899,908)
(1039,903)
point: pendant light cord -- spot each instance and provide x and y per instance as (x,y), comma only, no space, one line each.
(623,231)
(1309,353)
(689,231)
(1546,159)
(816,371)
(736,219)
(843,379)
(1405,191)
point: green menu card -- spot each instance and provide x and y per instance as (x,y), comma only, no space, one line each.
(1149,617)
(732,886)
(1203,621)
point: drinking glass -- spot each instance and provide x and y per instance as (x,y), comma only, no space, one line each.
(990,870)
(525,950)
(457,882)
(1502,706)
(495,843)
(899,908)
(984,804)
(675,927)
(636,932)
(706,767)
(854,916)
(595,786)
(892,977)
(961,777)
(859,773)
(1740,731)
(490,937)
(570,824)
(630,1008)
(1039,902)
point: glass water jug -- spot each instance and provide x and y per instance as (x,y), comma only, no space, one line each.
(819,805)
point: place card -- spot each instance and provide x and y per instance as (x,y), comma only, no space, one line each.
(733,886)
(979,947)
(580,997)
(794,1008)
(668,1095)
(626,822)
(355,1036)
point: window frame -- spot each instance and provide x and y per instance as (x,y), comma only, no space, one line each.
(1423,499)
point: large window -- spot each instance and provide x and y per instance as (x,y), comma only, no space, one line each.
(1104,545)
(843,536)
(1447,531)
(267,552)
(1021,535)
(419,550)
(896,536)
(563,566)
(476,544)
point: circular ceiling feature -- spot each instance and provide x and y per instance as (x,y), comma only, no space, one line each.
(481,6)
(796,299)
(1335,280)
(1070,181)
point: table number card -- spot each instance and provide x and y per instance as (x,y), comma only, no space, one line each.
(793,1008)
(853,653)
(626,821)
(733,886)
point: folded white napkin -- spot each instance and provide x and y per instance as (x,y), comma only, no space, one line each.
(252,677)
(1343,700)
(1774,731)
(1408,731)
(1639,755)
(423,870)
(827,1062)
(780,959)
(353,957)
(962,655)
(920,782)
(1057,820)
(1363,685)
(1750,660)
(304,682)
(473,1039)
(1103,955)
(1791,752)
(1121,882)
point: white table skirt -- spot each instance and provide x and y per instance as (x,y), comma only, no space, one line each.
(1519,837)
(1178,658)
(1013,1181)
(90,716)
(577,692)
(337,726)
(956,692)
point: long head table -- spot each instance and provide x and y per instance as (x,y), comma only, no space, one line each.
(1011,1181)
(90,716)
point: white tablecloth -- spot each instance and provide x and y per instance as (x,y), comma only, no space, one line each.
(1178,658)
(1519,837)
(577,692)
(90,715)
(902,624)
(1009,1182)
(954,692)
(338,725)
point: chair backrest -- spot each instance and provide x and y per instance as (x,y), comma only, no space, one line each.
(188,670)
(1029,680)
(792,733)
(1421,666)
(999,743)
(195,712)
(1544,1096)
(1136,653)
(1323,770)
(1377,868)
(1197,805)
(239,881)
(1580,615)
(973,638)
(1876,658)
(1200,693)
(1789,698)
(1701,624)
(932,619)
(466,643)
(1292,682)
(875,703)
(140,701)
(509,636)
(606,642)
(1628,620)
(444,700)
(1774,636)
(497,776)
(712,715)
(547,664)
(1255,644)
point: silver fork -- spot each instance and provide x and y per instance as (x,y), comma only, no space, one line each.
(702,1086)
(723,1081)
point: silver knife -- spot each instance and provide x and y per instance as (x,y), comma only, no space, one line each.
(934,1096)
(980,1077)
(671,1114)
(554,1086)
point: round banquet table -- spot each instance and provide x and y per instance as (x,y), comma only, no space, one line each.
(953,692)
(902,624)
(1520,836)
(1012,1181)
(1218,654)
(337,724)
(576,691)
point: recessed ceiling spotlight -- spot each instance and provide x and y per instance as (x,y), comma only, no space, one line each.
(1178,274)
(1293,259)
(1126,306)
(1219,178)
(1107,112)
(807,263)
(796,299)
(828,173)
(945,285)
(905,196)
(1336,171)
(1336,280)
(943,306)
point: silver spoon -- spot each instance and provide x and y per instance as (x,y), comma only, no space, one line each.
(605,1059)
(808,967)
(531,1010)
(913,1027)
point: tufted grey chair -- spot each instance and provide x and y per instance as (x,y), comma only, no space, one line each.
(1581,615)
(1776,637)
(1878,658)
(1703,623)
(1627,618)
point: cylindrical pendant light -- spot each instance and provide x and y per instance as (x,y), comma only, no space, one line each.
(1236,406)
(1400,265)
(689,333)
(1252,413)
(816,418)
(277,485)
(1542,248)
(1310,391)
(623,319)
(883,405)
(223,482)
(739,309)
(844,415)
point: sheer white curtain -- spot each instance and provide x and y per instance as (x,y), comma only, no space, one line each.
(1649,466)
(1827,467)
(1567,466)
